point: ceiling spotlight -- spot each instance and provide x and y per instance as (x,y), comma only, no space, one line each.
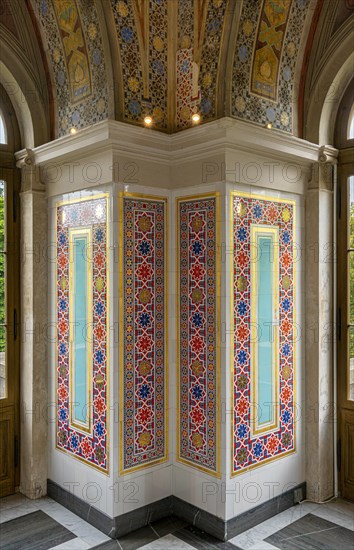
(196,117)
(148,120)
(73,131)
(269,125)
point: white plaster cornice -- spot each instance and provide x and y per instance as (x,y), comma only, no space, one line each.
(188,145)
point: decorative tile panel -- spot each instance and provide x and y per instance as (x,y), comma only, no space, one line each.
(264,63)
(210,57)
(74,46)
(263,315)
(143,335)
(142,36)
(269,42)
(184,92)
(198,275)
(158,73)
(75,53)
(82,240)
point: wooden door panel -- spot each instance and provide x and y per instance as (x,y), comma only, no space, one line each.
(7,453)
(347,484)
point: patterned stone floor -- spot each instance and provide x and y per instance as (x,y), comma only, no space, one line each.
(45,524)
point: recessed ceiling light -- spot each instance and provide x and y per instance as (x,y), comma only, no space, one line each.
(73,131)
(269,125)
(196,117)
(148,120)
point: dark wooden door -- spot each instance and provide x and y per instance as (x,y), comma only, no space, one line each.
(9,332)
(346,323)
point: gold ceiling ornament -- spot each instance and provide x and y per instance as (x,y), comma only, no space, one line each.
(122,8)
(133,84)
(247,27)
(92,31)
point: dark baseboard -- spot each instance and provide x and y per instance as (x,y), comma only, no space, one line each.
(262,512)
(126,523)
(113,527)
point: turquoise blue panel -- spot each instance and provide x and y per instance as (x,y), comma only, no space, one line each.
(265,319)
(80,267)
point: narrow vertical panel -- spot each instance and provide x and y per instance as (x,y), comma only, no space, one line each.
(263,315)
(82,359)
(143,335)
(198,272)
(80,327)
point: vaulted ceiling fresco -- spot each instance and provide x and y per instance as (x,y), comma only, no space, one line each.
(264,65)
(72,39)
(170,59)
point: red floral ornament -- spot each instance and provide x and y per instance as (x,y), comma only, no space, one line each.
(144,272)
(272,444)
(197,344)
(99,405)
(86,446)
(197,272)
(144,343)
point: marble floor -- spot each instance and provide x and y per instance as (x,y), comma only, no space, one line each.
(45,524)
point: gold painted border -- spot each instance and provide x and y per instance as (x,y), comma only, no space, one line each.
(256,428)
(164,200)
(268,198)
(66,452)
(179,200)
(74,233)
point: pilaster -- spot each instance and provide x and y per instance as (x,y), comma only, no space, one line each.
(320,333)
(33,388)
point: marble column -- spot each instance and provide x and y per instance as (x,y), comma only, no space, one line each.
(34,319)
(320,334)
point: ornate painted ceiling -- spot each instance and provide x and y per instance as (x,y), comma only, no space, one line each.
(170,59)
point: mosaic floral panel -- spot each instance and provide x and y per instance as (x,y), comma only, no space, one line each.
(251,449)
(198,333)
(75,53)
(143,334)
(269,42)
(185,105)
(144,60)
(158,74)
(91,446)
(265,59)
(132,72)
(200,27)
(210,57)
(74,45)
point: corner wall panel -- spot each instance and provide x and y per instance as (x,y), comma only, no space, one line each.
(82,358)
(263,314)
(143,334)
(198,294)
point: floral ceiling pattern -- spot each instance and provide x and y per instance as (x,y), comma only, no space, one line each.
(170,60)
